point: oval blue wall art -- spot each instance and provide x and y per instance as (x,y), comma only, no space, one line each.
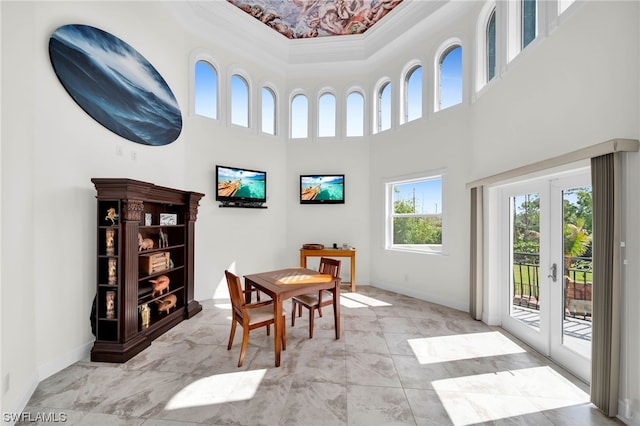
(115,85)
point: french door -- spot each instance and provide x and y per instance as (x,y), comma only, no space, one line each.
(546,266)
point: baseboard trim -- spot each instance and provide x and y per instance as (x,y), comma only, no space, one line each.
(47,370)
(626,414)
(427,297)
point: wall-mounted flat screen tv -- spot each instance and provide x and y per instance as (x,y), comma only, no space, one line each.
(322,189)
(236,185)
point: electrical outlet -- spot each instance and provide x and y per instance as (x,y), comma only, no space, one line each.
(134,156)
(7,383)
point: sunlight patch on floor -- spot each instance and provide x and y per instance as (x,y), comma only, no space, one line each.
(430,350)
(355,300)
(218,389)
(506,394)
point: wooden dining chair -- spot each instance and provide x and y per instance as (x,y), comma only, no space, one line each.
(315,301)
(249,316)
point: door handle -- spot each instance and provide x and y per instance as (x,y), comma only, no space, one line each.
(554,273)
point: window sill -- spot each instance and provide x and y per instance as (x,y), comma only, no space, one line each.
(430,249)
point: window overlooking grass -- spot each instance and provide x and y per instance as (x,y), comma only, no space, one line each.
(414,214)
(206,90)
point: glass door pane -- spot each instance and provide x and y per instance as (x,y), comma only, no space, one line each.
(525,259)
(571,295)
(578,269)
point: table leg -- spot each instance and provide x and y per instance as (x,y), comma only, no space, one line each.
(247,289)
(277,325)
(336,308)
(353,273)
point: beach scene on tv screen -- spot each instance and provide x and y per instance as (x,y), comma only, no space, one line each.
(241,183)
(322,188)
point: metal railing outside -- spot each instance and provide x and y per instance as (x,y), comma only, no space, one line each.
(577,282)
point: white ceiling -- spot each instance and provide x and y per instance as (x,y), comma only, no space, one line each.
(218,20)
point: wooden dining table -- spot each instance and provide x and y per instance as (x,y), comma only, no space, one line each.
(285,283)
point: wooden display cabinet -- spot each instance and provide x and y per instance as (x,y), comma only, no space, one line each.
(130,313)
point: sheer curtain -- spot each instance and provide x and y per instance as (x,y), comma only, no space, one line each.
(605,348)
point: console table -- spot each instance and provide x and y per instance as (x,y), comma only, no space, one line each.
(331,252)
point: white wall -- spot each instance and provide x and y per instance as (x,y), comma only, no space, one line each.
(18,290)
(440,141)
(574,88)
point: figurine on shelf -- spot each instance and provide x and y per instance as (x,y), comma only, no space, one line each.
(112,275)
(163,242)
(167,303)
(144,243)
(111,215)
(111,304)
(110,241)
(159,285)
(145,314)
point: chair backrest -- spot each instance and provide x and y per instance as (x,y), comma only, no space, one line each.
(330,267)
(235,291)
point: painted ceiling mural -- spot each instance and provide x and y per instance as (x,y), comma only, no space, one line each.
(317,18)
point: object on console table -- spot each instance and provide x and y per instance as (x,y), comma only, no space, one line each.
(331,252)
(313,246)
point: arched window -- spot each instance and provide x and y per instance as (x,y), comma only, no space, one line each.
(529,27)
(206,90)
(355,114)
(299,117)
(239,101)
(413,94)
(490,40)
(383,107)
(450,77)
(268,111)
(327,115)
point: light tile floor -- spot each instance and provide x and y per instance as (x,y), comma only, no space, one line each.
(400,361)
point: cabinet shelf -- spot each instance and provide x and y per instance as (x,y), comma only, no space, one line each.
(124,207)
(158,273)
(157,249)
(146,297)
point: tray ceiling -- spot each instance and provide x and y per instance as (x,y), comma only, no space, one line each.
(317,18)
(223,22)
